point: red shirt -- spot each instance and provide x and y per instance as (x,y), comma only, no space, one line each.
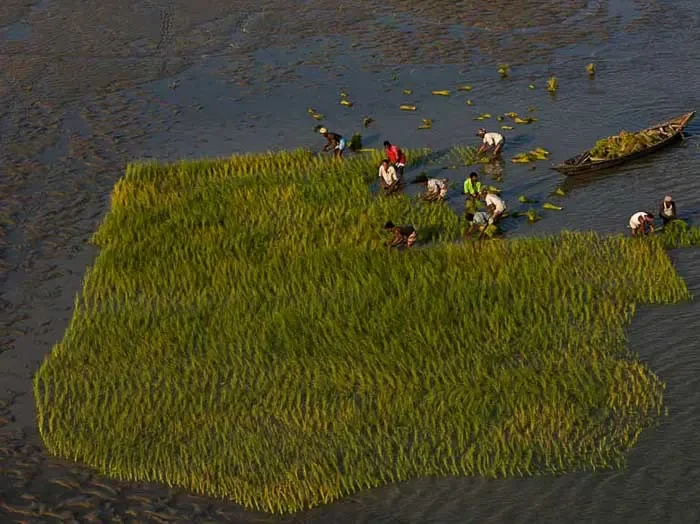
(395,155)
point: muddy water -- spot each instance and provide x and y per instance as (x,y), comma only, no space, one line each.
(85,90)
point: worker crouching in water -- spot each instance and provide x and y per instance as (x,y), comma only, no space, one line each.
(667,209)
(389,180)
(640,222)
(403,235)
(335,142)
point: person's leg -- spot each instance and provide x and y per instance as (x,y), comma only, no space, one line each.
(411,239)
(497,149)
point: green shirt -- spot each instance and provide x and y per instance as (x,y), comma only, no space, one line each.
(471,188)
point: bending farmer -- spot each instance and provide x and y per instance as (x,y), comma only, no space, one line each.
(436,189)
(640,221)
(388,179)
(490,141)
(402,234)
(335,142)
(395,156)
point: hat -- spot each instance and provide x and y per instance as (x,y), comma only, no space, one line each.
(323,130)
(668,198)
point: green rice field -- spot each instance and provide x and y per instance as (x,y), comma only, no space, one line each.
(246,333)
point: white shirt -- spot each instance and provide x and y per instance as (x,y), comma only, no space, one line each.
(636,220)
(388,175)
(496,201)
(435,185)
(493,139)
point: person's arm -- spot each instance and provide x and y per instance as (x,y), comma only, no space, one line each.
(483,148)
(328,144)
(651,225)
(673,206)
(398,239)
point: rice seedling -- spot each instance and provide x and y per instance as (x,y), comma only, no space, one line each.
(367,121)
(528,120)
(525,200)
(504,70)
(507,128)
(464,88)
(407,91)
(552,84)
(236,337)
(625,143)
(551,207)
(345,102)
(470,102)
(590,69)
(426,123)
(531,86)
(406,107)
(443,92)
(559,192)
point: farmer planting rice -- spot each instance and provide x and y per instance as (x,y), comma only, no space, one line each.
(388,179)
(436,188)
(478,221)
(495,204)
(667,209)
(335,142)
(490,141)
(395,156)
(640,221)
(405,234)
(472,186)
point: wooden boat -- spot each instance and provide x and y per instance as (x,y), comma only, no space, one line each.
(584,163)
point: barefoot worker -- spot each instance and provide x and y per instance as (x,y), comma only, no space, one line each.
(436,188)
(335,142)
(402,234)
(472,186)
(640,221)
(495,204)
(395,156)
(388,179)
(489,141)
(667,209)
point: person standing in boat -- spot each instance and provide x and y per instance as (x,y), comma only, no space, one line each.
(640,221)
(667,209)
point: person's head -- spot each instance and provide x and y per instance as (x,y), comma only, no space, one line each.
(323,131)
(389,225)
(481,132)
(668,199)
(387,143)
(473,176)
(649,216)
(385,163)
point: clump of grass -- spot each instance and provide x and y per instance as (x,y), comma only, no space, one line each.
(590,69)
(237,337)
(552,84)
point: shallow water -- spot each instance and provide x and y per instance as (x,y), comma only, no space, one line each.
(88,90)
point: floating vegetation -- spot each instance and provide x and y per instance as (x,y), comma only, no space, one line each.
(469,102)
(483,116)
(406,107)
(511,114)
(532,216)
(590,69)
(246,309)
(625,143)
(528,120)
(559,192)
(532,109)
(367,121)
(464,88)
(507,128)
(504,70)
(531,86)
(427,123)
(343,95)
(407,91)
(525,200)
(317,116)
(500,118)
(531,156)
(552,84)
(551,207)
(444,92)
(346,102)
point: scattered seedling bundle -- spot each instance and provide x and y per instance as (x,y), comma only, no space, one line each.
(245,333)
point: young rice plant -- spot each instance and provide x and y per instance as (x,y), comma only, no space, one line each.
(246,333)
